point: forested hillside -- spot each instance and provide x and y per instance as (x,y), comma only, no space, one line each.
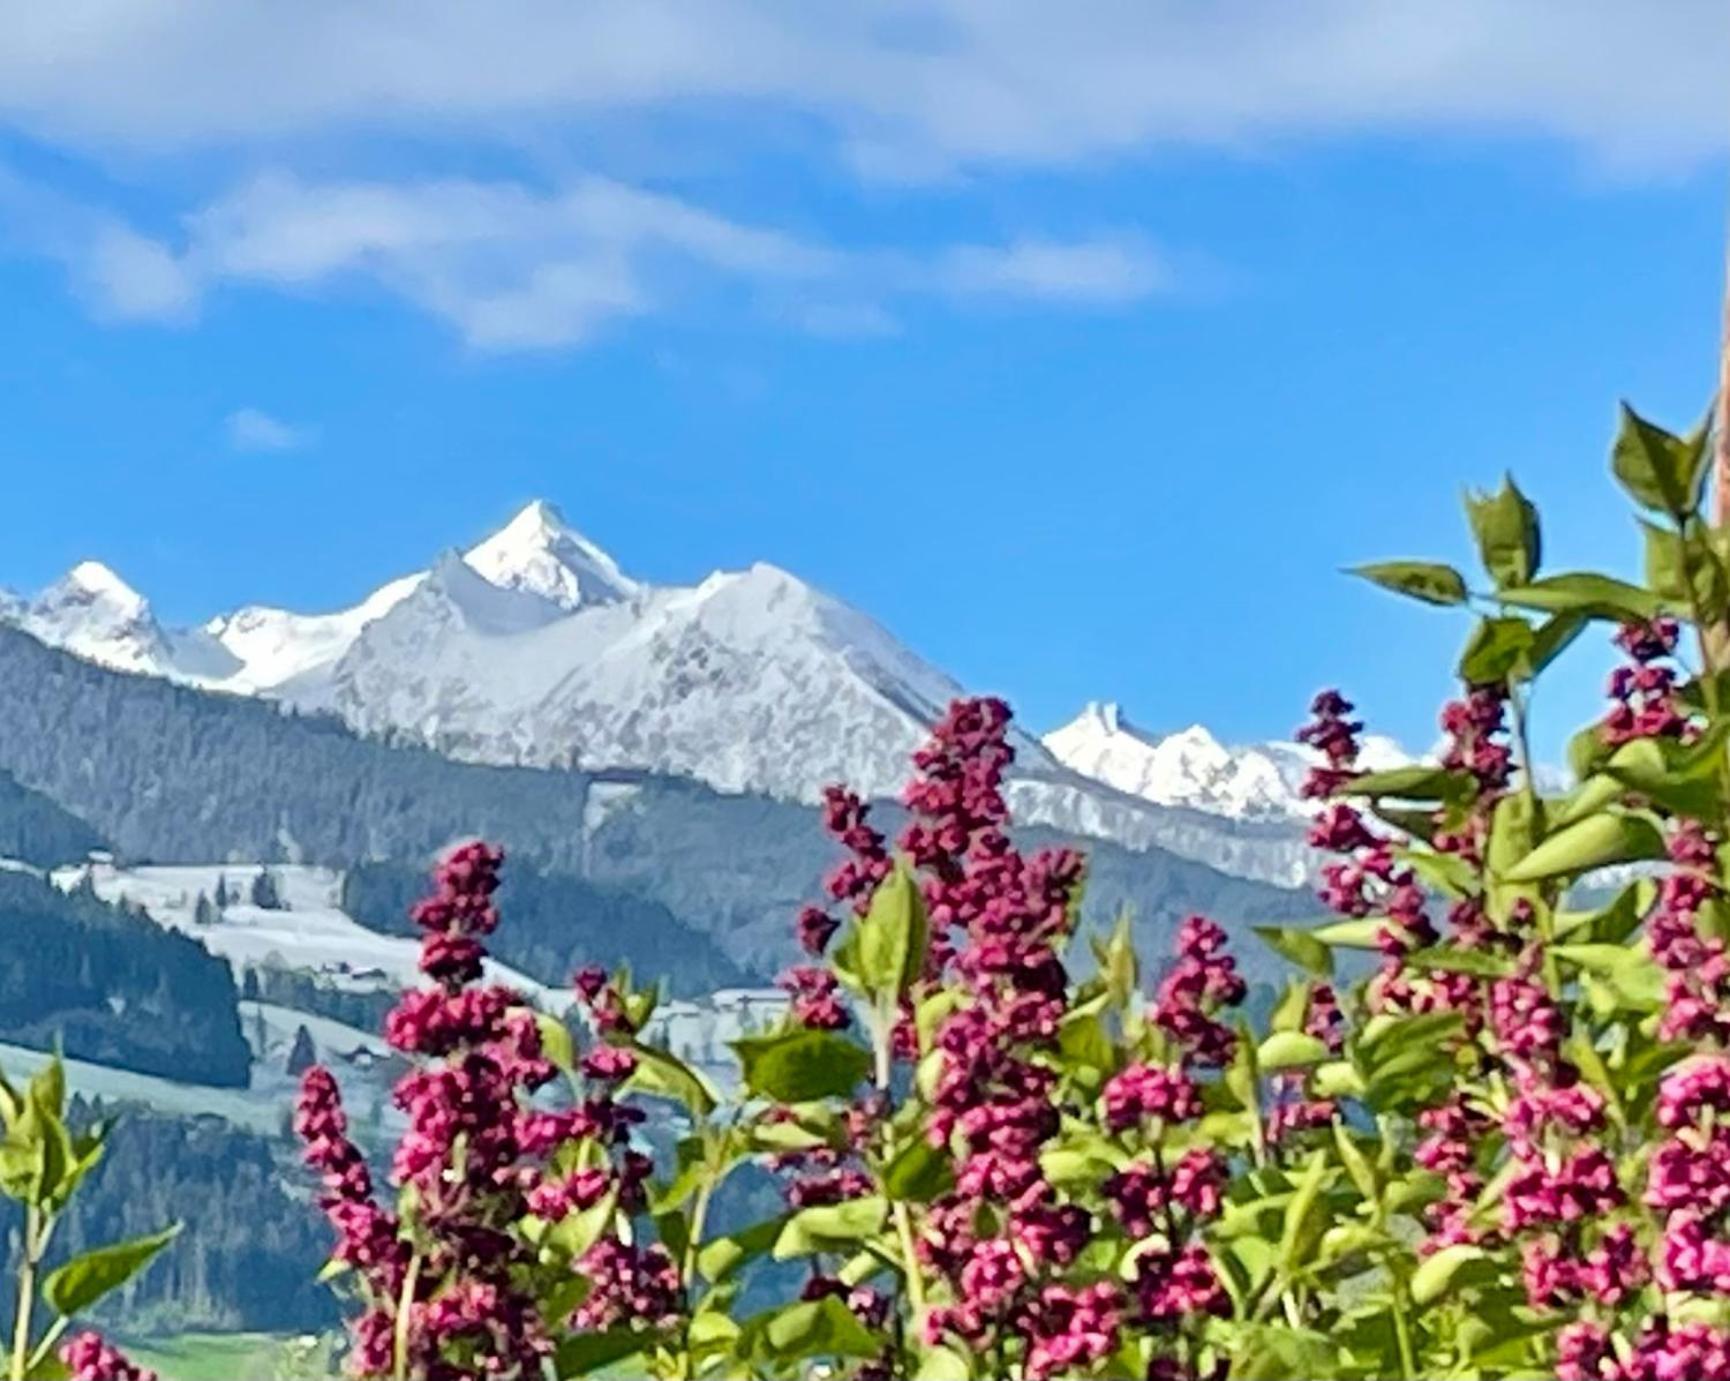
(114,988)
(38,831)
(171,773)
(557,923)
(249,1252)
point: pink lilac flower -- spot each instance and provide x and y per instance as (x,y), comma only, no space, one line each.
(1584,1353)
(814,929)
(1144,1092)
(1679,1352)
(628,1284)
(1644,689)
(89,1358)
(816,998)
(474,1151)
(1141,1196)
(1203,981)
(1070,1328)
(1172,1285)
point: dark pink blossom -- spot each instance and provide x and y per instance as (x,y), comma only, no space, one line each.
(89,1358)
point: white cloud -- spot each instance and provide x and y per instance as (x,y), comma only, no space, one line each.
(1101,272)
(955,89)
(509,267)
(901,87)
(250,429)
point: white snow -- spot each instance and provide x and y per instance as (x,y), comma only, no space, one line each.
(259,1110)
(535,647)
(92,612)
(312,933)
(1193,769)
(273,646)
(538,552)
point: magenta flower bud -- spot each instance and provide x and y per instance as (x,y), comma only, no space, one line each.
(609,1063)
(89,1358)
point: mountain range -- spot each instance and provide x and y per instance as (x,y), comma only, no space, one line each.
(535,648)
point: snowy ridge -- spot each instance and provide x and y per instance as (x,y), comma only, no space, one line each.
(1193,769)
(535,647)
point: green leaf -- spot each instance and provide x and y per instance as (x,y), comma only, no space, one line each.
(1684,570)
(1587,751)
(1611,924)
(82,1281)
(1299,946)
(1290,1050)
(665,1075)
(1357,1164)
(1595,842)
(10,1102)
(1554,637)
(1497,649)
(1663,471)
(1632,973)
(1293,1006)
(47,1090)
(819,1328)
(1585,593)
(828,1227)
(1305,1216)
(582,1354)
(1414,783)
(1084,1041)
(1513,832)
(1682,776)
(919,1173)
(1449,959)
(886,949)
(1506,527)
(556,1042)
(720,1257)
(1118,966)
(799,1065)
(1386,1036)
(1336,1079)
(575,1233)
(942,1364)
(1432,1278)
(1594,794)
(23,1159)
(1429,581)
(1356,934)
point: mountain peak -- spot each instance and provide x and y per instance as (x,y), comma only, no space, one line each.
(1189,768)
(92,612)
(97,581)
(540,553)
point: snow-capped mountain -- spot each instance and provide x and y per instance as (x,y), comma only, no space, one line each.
(751,680)
(1191,768)
(535,647)
(93,612)
(537,553)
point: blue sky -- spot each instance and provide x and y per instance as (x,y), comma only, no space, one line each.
(1080,345)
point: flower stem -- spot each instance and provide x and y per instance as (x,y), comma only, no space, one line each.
(1403,1334)
(404,1307)
(26,1292)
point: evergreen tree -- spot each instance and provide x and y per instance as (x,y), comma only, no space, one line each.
(304,1055)
(223,895)
(267,891)
(205,912)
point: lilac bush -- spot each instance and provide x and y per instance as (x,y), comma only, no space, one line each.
(1485,1131)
